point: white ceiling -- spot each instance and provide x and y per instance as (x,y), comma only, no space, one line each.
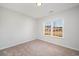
(32,10)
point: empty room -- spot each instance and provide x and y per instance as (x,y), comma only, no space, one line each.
(39,29)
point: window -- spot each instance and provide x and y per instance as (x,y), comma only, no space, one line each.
(54,28)
(57,28)
(47,29)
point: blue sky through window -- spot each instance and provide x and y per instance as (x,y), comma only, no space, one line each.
(57,22)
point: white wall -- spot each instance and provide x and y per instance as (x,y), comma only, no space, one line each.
(15,28)
(71,28)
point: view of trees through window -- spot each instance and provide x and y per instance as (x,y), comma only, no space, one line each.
(55,28)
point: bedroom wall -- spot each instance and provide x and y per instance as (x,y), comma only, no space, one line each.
(15,28)
(71,28)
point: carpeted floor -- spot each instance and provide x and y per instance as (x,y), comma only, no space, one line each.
(38,48)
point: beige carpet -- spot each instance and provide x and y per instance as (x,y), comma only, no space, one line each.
(38,48)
